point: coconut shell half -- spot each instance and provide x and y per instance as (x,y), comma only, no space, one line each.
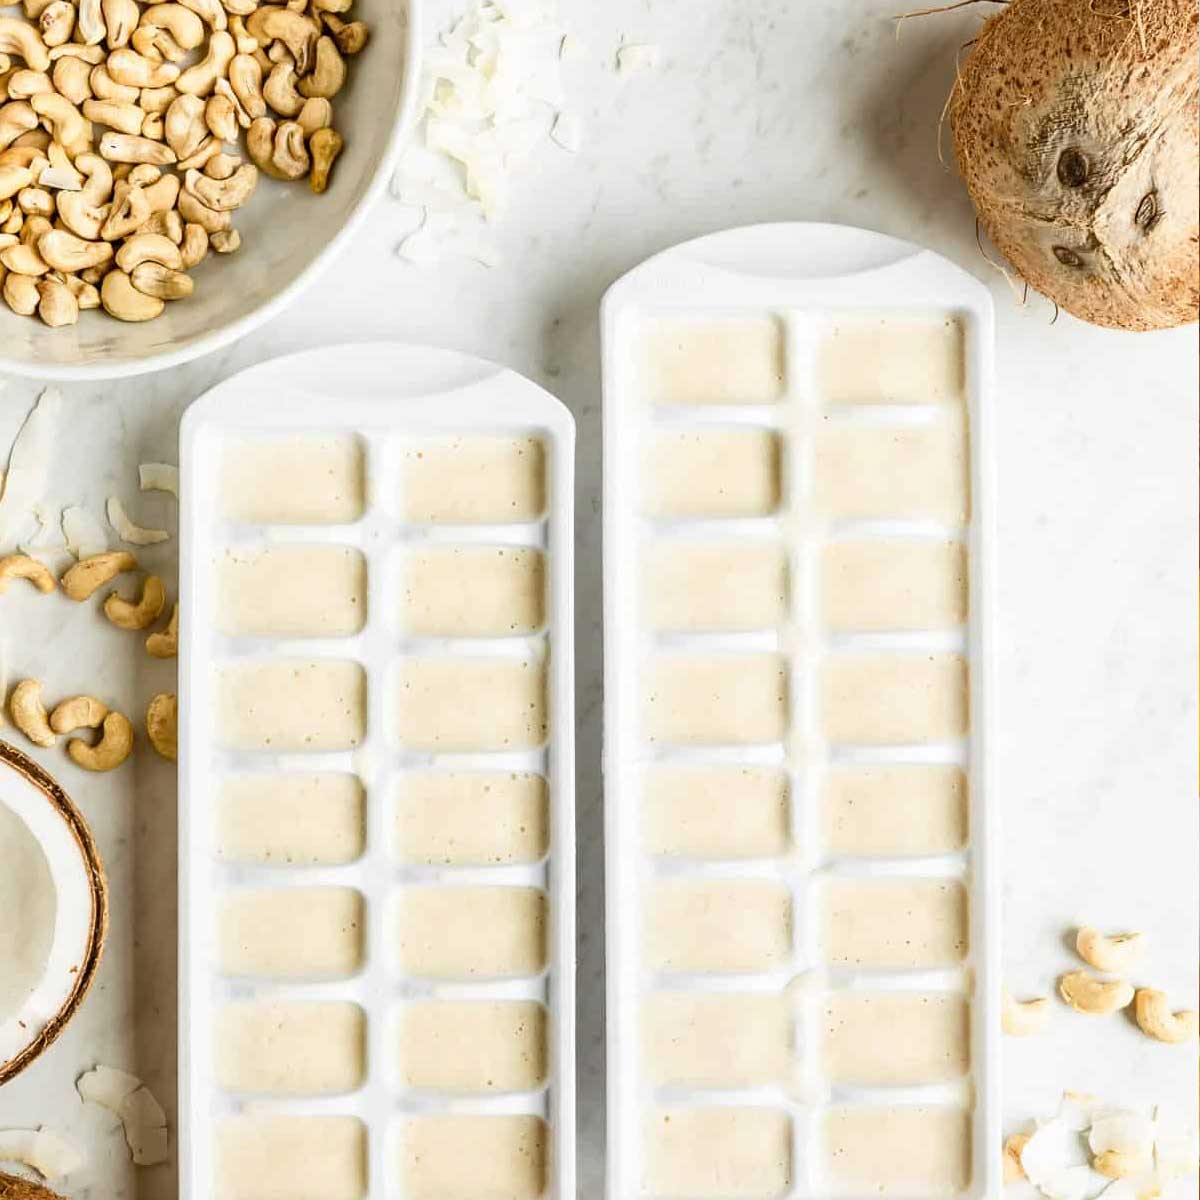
(81,918)
(13,1187)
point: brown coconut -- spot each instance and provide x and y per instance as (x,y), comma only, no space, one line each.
(1075,127)
(13,1187)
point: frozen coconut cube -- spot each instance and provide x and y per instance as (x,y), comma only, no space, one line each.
(472,1046)
(286,1049)
(477,703)
(892,361)
(472,591)
(891,699)
(717,1153)
(715,699)
(725,926)
(892,924)
(715,811)
(291,704)
(894,1038)
(733,360)
(469,1157)
(291,933)
(293,480)
(712,473)
(444,932)
(692,585)
(470,818)
(473,480)
(291,819)
(716,1040)
(912,471)
(894,584)
(884,811)
(262,1157)
(918,1151)
(291,591)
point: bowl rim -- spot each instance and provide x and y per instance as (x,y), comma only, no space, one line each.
(226,334)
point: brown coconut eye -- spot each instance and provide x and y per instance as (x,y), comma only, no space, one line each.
(1067,257)
(1073,168)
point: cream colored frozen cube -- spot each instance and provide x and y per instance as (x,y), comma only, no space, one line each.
(914,471)
(285,1049)
(470,818)
(473,480)
(300,479)
(291,591)
(447,704)
(291,704)
(266,1157)
(714,1153)
(291,819)
(472,591)
(716,1040)
(444,932)
(892,360)
(917,1152)
(717,699)
(894,1038)
(291,932)
(894,698)
(723,926)
(692,585)
(712,473)
(469,1157)
(472,1046)
(715,811)
(901,923)
(731,360)
(912,809)
(894,584)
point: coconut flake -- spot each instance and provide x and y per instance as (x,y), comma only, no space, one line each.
(1123,1131)
(1176,1150)
(635,56)
(127,531)
(134,1104)
(47,1152)
(567,132)
(107,1087)
(159,477)
(48,537)
(84,534)
(1055,1159)
(28,474)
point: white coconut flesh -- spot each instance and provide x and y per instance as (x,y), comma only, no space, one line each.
(48,913)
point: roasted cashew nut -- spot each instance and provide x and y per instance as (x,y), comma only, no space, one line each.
(1155,1018)
(130,209)
(123,301)
(22,566)
(1087,994)
(1021,1018)
(153,279)
(21,293)
(184,124)
(120,20)
(135,70)
(93,572)
(162,725)
(299,33)
(128,614)
(116,114)
(70,76)
(57,305)
(130,148)
(245,81)
(1118,952)
(72,130)
(166,643)
(68,253)
(199,80)
(23,39)
(29,713)
(329,72)
(148,247)
(280,90)
(79,712)
(226,241)
(113,748)
(223,195)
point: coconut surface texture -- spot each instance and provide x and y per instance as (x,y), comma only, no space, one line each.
(1075,127)
(14,1188)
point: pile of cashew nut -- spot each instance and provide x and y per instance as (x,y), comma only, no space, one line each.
(116,741)
(119,126)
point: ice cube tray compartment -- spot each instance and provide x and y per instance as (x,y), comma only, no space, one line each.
(799,825)
(377,920)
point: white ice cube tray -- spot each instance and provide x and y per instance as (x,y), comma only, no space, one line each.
(385,397)
(737,290)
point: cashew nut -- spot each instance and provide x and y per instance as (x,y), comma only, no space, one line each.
(226,241)
(128,614)
(280,90)
(88,54)
(169,224)
(1119,1164)
(1020,1018)
(25,83)
(113,748)
(71,129)
(120,20)
(144,175)
(128,148)
(184,124)
(1118,952)
(86,296)
(72,77)
(36,202)
(165,644)
(289,155)
(222,166)
(1014,1170)
(66,252)
(29,713)
(162,725)
(123,301)
(79,712)
(223,195)
(90,573)
(24,259)
(325,145)
(162,194)
(13,179)
(23,39)
(154,279)
(1087,994)
(196,212)
(299,33)
(135,70)
(16,118)
(22,566)
(20,293)
(128,211)
(57,305)
(200,79)
(209,11)
(159,99)
(89,23)
(184,26)
(245,81)
(328,74)
(57,22)
(148,247)
(350,37)
(1155,1018)
(125,118)
(220,116)
(105,87)
(194,246)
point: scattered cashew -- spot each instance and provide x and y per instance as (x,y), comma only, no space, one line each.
(113,748)
(329,71)
(79,712)
(57,305)
(22,566)
(93,572)
(223,195)
(195,211)
(1118,952)
(1155,1018)
(226,241)
(325,145)
(28,713)
(1014,1171)
(194,246)
(123,301)
(128,614)
(162,725)
(1020,1018)
(1087,994)
(165,644)
(148,247)
(66,252)
(154,279)
(130,148)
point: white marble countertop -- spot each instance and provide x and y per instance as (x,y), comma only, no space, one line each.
(759,110)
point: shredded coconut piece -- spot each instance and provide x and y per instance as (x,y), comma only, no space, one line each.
(567,131)
(127,531)
(48,537)
(47,1152)
(134,1104)
(83,533)
(28,474)
(159,477)
(635,56)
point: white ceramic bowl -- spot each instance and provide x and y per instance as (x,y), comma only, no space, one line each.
(288,234)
